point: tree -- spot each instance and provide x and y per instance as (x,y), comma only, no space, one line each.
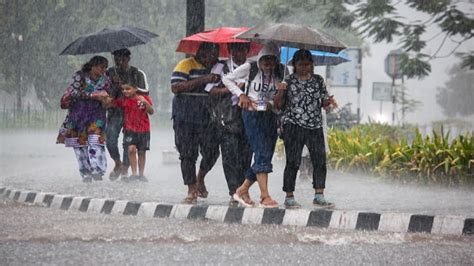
(458,92)
(378,19)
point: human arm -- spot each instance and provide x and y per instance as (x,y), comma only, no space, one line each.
(146,101)
(279,100)
(142,83)
(328,101)
(231,82)
(77,89)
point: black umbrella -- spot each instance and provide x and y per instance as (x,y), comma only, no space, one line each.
(108,40)
(293,35)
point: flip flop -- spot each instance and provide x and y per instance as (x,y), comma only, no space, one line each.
(268,205)
(238,198)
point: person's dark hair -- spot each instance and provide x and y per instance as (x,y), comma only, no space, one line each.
(238,46)
(301,55)
(122,52)
(94,61)
(208,46)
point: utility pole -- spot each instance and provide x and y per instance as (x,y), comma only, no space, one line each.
(18,38)
(195,14)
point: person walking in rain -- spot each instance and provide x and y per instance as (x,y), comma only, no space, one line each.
(136,109)
(227,117)
(83,128)
(302,98)
(122,73)
(191,121)
(260,120)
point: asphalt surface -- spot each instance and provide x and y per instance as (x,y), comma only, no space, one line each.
(33,235)
(30,160)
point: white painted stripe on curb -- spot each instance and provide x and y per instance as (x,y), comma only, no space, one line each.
(252,216)
(76,203)
(58,200)
(449,225)
(147,209)
(96,205)
(119,207)
(216,213)
(296,217)
(394,222)
(40,197)
(23,196)
(180,211)
(12,194)
(344,219)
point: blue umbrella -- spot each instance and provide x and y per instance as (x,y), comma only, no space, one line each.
(320,58)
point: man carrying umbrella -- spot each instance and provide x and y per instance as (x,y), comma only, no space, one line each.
(122,73)
(191,120)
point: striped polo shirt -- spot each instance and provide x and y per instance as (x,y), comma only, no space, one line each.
(192,106)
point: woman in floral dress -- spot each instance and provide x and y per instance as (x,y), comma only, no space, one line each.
(83,128)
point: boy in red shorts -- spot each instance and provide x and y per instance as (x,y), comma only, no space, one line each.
(136,108)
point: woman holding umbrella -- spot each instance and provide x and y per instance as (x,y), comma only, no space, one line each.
(83,128)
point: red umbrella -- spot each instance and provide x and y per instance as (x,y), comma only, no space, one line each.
(222,36)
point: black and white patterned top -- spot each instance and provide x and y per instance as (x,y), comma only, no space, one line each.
(304,100)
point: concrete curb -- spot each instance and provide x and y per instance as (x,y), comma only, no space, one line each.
(337,219)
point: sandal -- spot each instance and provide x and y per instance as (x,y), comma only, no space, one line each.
(202,191)
(245,203)
(268,202)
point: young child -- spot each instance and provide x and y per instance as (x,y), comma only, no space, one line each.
(136,108)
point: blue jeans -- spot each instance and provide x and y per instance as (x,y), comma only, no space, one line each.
(261,131)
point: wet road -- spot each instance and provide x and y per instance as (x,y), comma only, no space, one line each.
(31,161)
(36,235)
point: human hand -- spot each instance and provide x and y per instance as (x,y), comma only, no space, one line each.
(99,95)
(212,78)
(330,103)
(281,86)
(246,103)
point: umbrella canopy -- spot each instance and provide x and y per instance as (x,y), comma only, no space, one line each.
(320,58)
(108,40)
(292,35)
(222,35)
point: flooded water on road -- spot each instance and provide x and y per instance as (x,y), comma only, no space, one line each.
(34,234)
(31,160)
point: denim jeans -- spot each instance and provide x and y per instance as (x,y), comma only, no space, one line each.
(192,139)
(261,131)
(295,137)
(112,131)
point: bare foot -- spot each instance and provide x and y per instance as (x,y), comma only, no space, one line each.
(201,190)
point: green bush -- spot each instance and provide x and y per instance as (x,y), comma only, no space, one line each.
(403,153)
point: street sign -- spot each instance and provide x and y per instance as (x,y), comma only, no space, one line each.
(392,64)
(382,91)
(346,74)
